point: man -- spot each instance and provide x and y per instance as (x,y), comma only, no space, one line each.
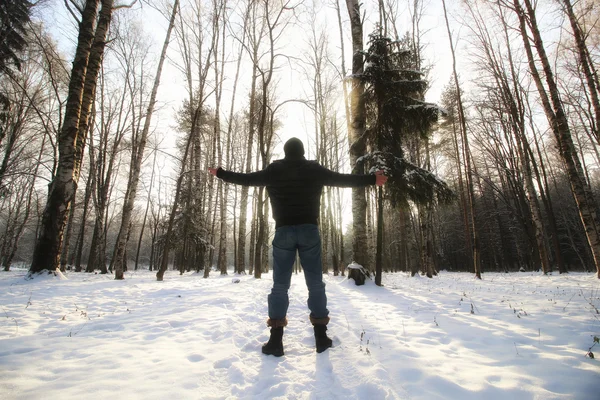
(294,185)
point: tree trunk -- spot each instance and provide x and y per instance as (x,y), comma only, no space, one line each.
(464,203)
(82,226)
(143,227)
(46,255)
(118,262)
(234,236)
(253,232)
(335,245)
(379,253)
(64,257)
(260,233)
(222,188)
(212,209)
(15,237)
(243,221)
(356,137)
(513,99)
(467,157)
(560,127)
(97,253)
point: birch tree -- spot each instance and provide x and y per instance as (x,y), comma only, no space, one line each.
(356,135)
(103,156)
(137,155)
(84,73)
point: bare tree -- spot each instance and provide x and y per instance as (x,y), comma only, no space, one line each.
(505,101)
(557,119)
(137,155)
(222,258)
(586,64)
(20,207)
(219,18)
(146,210)
(267,24)
(197,58)
(466,154)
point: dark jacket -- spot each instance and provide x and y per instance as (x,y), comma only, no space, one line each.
(295,186)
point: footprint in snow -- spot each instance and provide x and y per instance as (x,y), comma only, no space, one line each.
(225,363)
(195,358)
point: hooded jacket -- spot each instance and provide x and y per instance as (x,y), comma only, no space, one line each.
(295,185)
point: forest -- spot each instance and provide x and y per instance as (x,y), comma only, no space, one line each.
(112,111)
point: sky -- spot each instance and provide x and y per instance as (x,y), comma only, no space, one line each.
(297,119)
(509,336)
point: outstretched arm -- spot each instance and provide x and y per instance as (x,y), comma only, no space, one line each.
(259,178)
(332,178)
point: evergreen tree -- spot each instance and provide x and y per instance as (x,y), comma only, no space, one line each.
(396,111)
(14,17)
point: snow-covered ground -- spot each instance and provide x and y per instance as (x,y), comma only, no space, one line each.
(509,336)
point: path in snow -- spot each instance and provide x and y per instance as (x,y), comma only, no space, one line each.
(342,372)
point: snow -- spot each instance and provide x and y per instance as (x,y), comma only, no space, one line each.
(508,336)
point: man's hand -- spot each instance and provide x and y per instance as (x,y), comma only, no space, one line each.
(380,178)
(213,171)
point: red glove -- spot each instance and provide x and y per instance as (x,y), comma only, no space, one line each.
(380,178)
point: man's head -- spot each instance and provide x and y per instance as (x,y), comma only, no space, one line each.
(294,149)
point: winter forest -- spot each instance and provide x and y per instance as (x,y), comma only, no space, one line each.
(112,111)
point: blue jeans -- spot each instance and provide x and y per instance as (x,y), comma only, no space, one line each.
(307,241)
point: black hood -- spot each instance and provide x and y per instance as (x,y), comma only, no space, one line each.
(294,149)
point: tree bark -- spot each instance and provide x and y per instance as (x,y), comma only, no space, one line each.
(81,235)
(46,255)
(379,253)
(542,179)
(64,257)
(16,233)
(356,137)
